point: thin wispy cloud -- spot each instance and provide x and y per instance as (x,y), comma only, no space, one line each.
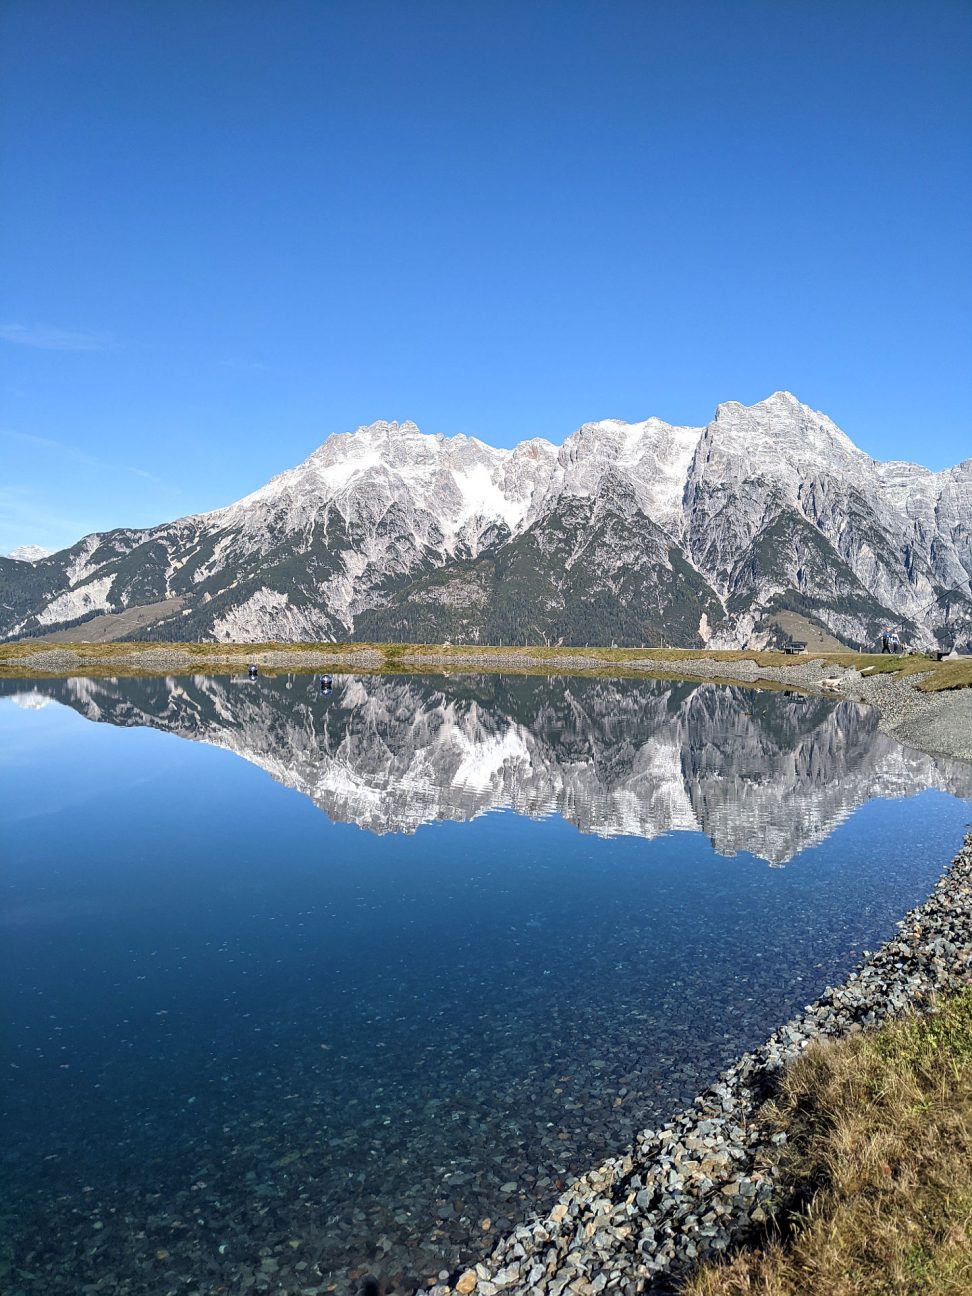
(76,455)
(45,338)
(142,472)
(49,443)
(25,520)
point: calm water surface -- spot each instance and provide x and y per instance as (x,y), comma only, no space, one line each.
(369,995)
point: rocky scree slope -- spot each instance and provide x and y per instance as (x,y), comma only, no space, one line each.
(632,533)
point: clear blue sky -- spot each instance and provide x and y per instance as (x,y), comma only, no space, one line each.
(230,228)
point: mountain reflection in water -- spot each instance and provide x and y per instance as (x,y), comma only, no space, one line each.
(245,1047)
(763,772)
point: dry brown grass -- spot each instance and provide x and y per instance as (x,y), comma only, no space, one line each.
(123,657)
(880,1144)
(936,676)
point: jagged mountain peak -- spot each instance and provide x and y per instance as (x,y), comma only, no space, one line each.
(654,456)
(411,493)
(783,399)
(783,422)
(780,401)
(640,532)
(395,447)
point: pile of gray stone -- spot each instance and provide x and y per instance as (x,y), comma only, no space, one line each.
(706,1179)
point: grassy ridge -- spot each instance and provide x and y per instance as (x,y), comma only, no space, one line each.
(879,1144)
(127,657)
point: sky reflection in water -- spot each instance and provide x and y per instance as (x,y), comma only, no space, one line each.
(365,1041)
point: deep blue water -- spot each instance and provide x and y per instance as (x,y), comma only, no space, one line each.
(238,1032)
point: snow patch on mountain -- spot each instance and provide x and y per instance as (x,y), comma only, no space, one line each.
(768,505)
(29,553)
(654,456)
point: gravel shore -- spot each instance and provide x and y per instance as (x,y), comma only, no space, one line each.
(937,723)
(174,661)
(705,1179)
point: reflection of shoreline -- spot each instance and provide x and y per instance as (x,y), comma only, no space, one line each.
(758,772)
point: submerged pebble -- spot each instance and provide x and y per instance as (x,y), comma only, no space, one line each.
(299,1123)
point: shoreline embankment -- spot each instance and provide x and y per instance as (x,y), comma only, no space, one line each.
(708,1178)
(925,704)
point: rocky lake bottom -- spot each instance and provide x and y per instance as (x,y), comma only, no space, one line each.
(357,980)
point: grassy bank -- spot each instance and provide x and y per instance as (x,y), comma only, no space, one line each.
(44,658)
(879,1160)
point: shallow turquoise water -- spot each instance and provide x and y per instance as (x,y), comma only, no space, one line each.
(243,1033)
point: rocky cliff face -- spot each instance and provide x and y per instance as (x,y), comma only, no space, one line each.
(638,533)
(755,772)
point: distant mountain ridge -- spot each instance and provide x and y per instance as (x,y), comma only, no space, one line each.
(632,533)
(28,553)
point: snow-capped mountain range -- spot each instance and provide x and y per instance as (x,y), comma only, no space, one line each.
(634,533)
(756,772)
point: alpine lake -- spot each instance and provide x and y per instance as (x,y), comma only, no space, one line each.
(355,980)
